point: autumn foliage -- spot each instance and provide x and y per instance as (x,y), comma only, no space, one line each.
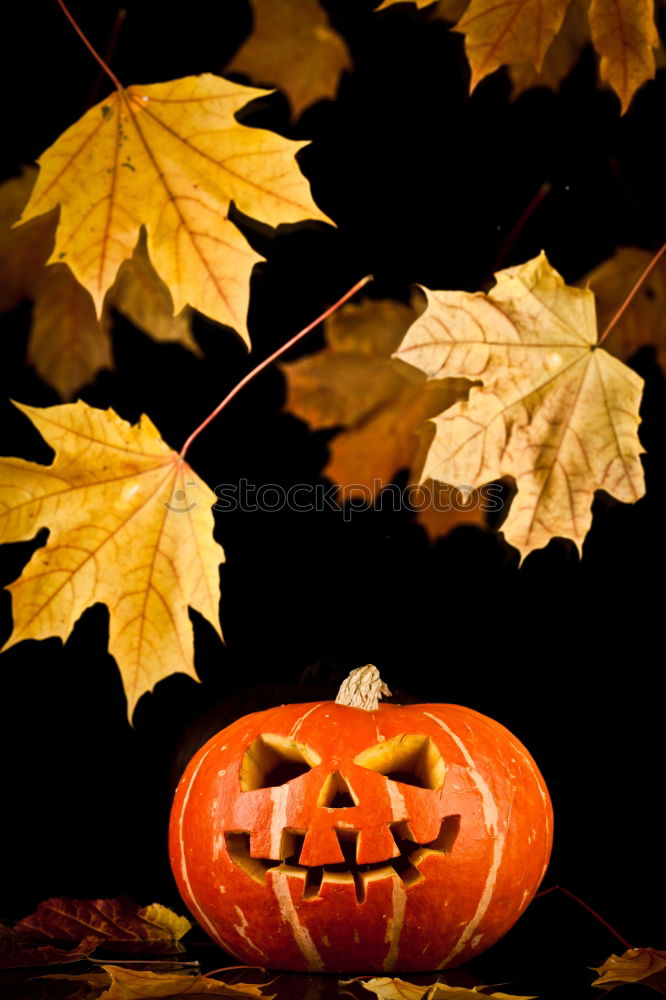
(130,209)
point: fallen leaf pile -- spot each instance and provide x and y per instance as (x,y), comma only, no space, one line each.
(65,930)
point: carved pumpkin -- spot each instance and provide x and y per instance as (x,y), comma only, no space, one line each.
(334,838)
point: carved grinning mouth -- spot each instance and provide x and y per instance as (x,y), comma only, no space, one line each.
(405,864)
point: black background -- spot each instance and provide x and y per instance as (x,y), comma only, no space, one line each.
(424,184)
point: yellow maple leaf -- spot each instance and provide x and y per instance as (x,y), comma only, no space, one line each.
(633,966)
(24,251)
(449,10)
(170,156)
(540,40)
(293,46)
(354,385)
(643,323)
(130,525)
(554,411)
(624,35)
(119,983)
(387,988)
(562,55)
(67,344)
(509,31)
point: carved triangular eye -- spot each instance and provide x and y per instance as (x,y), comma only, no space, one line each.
(272,760)
(410,758)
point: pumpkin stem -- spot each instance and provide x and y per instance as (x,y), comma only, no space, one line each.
(362,689)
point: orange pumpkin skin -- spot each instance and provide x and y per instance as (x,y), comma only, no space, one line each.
(486,818)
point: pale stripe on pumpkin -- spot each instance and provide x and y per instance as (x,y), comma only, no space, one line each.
(299,722)
(491,820)
(394,923)
(194,902)
(241,929)
(279,796)
(306,946)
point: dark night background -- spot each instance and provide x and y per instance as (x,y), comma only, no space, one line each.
(424,184)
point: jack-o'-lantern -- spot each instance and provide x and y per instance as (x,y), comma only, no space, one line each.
(350,836)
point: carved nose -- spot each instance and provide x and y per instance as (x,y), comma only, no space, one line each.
(336,793)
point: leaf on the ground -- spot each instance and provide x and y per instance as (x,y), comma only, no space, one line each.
(643,323)
(120,983)
(562,55)
(353,384)
(553,411)
(171,157)
(18,951)
(386,988)
(154,928)
(624,34)
(293,46)
(516,31)
(130,525)
(636,965)
(68,345)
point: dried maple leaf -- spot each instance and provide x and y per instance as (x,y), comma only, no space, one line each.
(114,921)
(624,34)
(512,31)
(643,323)
(18,951)
(24,251)
(120,983)
(540,44)
(449,10)
(68,345)
(562,55)
(130,525)
(354,384)
(170,156)
(386,988)
(636,965)
(554,411)
(293,46)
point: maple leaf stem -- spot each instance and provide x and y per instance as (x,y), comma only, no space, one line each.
(90,47)
(269,360)
(519,225)
(121,15)
(577,899)
(631,294)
